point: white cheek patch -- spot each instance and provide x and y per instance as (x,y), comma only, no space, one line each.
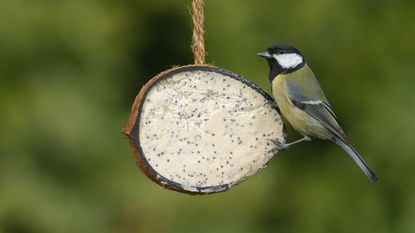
(289,60)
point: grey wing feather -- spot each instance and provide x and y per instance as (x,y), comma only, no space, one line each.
(327,106)
(321,114)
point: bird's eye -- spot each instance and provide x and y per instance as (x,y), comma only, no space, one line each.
(281,52)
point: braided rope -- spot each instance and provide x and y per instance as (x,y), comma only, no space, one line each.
(198,41)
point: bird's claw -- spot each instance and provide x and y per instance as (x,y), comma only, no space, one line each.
(279,145)
(284,146)
(274,104)
(271,103)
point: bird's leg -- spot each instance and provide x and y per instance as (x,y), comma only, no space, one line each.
(304,139)
(285,146)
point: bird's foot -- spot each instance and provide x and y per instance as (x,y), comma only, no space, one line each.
(284,146)
(271,103)
(279,146)
(274,104)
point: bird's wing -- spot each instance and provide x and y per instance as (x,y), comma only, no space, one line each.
(305,93)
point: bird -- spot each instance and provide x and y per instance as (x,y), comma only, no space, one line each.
(303,103)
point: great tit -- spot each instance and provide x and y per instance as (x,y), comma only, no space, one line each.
(303,103)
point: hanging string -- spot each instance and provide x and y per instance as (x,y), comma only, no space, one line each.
(198,40)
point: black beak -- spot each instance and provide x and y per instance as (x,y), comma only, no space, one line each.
(264,54)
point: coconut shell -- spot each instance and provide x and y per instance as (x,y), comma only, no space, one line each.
(202,129)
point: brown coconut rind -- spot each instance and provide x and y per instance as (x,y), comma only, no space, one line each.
(132,130)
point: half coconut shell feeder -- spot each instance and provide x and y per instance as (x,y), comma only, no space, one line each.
(202,129)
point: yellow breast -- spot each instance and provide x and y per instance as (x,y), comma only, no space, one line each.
(295,116)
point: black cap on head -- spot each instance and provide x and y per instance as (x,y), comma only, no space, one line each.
(283,49)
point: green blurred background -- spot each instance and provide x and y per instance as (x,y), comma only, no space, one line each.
(70,69)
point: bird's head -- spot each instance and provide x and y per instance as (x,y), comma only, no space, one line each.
(282,59)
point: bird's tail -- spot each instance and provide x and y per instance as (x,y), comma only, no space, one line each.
(359,160)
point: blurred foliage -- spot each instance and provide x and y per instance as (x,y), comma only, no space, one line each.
(70,69)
